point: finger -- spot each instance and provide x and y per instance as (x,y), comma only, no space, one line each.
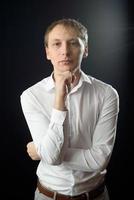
(29,144)
(73,78)
(68,88)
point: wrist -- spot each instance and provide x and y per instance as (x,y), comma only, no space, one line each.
(59,104)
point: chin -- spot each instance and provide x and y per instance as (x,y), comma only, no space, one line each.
(66,68)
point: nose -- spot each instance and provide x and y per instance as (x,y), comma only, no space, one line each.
(65,49)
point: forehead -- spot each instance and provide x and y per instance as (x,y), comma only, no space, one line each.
(62,32)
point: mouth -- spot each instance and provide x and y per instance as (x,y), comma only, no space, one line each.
(65,62)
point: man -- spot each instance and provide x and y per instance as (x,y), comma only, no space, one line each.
(72,118)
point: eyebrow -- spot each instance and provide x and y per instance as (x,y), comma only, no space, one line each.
(56,39)
(72,39)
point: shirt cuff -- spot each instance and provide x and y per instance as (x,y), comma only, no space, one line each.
(58,117)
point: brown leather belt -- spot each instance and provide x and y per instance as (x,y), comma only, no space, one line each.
(91,195)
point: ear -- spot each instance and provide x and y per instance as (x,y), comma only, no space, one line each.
(85,52)
(47,53)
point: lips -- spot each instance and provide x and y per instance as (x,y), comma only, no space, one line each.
(65,61)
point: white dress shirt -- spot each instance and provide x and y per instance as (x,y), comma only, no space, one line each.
(74,145)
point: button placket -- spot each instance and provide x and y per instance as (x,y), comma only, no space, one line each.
(69,116)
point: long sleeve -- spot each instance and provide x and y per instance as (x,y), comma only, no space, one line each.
(97,157)
(47,133)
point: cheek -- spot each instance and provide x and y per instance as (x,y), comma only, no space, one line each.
(79,54)
(53,61)
(53,56)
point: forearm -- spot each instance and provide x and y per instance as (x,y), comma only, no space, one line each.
(97,156)
(62,83)
(45,130)
(50,145)
(86,160)
(50,148)
(59,103)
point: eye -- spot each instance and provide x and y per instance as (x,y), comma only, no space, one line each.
(74,43)
(56,44)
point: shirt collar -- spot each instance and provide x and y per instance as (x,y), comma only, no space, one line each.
(51,85)
(85,78)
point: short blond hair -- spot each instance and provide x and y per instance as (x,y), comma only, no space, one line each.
(75,24)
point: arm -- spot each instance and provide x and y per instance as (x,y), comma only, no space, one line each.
(97,157)
(47,133)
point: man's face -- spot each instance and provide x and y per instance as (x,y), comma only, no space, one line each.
(65,49)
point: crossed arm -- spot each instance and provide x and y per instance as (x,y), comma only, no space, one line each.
(62,83)
(80,159)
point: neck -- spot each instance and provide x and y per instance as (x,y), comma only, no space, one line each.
(77,75)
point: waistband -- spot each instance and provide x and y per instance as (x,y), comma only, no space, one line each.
(84,196)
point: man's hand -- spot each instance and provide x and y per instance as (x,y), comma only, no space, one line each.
(32,152)
(63,83)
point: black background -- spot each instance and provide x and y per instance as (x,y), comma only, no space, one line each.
(23,63)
